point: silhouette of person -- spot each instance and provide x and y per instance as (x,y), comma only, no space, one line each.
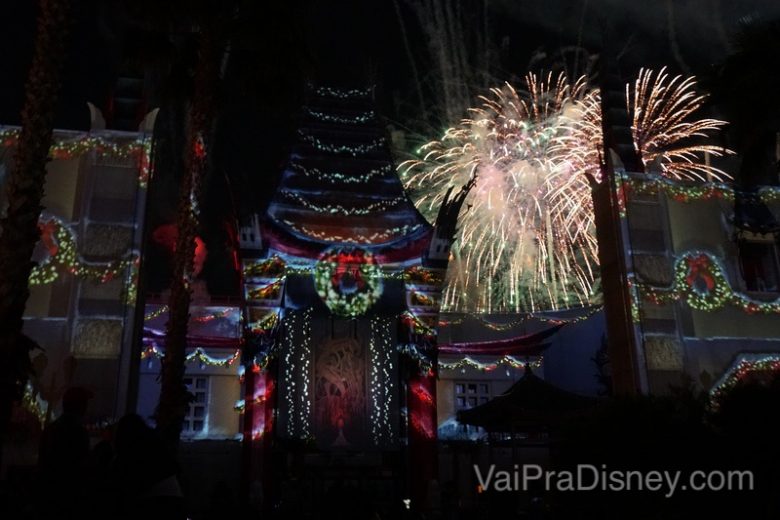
(63,453)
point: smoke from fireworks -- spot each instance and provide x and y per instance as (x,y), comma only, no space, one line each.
(527,241)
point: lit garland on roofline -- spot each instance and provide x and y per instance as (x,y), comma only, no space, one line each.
(225,313)
(308,270)
(679,192)
(354,151)
(357,238)
(467,362)
(139,148)
(380,205)
(700,280)
(508,361)
(199,354)
(503,327)
(61,244)
(330,118)
(337,177)
(354,93)
(749,365)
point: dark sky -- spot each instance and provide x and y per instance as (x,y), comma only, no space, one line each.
(337,39)
(281,45)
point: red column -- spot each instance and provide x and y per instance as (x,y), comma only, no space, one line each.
(423,453)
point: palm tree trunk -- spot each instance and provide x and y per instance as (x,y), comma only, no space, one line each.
(19,229)
(174,396)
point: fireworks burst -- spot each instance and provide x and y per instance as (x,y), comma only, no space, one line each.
(527,241)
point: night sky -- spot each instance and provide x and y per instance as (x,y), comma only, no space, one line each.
(276,47)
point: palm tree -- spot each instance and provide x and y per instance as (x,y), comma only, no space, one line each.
(748,87)
(19,228)
(174,396)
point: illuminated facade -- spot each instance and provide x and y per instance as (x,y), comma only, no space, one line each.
(83,289)
(342,285)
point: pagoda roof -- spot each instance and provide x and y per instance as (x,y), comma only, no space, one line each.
(529,404)
(340,186)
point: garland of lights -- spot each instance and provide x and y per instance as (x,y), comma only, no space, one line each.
(421,276)
(131,282)
(354,151)
(78,146)
(199,319)
(744,368)
(336,177)
(380,385)
(425,364)
(416,325)
(32,402)
(348,280)
(654,184)
(381,205)
(266,292)
(700,280)
(264,324)
(508,361)
(503,327)
(297,398)
(272,267)
(200,355)
(354,93)
(422,299)
(358,238)
(330,118)
(61,244)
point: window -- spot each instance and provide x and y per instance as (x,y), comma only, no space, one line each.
(759,264)
(195,422)
(469,394)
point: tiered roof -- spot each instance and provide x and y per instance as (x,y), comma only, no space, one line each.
(340,185)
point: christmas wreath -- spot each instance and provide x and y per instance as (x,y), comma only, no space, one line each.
(348,280)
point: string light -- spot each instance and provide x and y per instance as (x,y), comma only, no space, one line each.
(420,275)
(747,365)
(264,324)
(416,325)
(199,354)
(378,206)
(337,177)
(225,313)
(425,364)
(381,385)
(699,279)
(355,93)
(353,150)
(650,184)
(266,292)
(272,267)
(330,118)
(508,361)
(356,238)
(503,327)
(64,149)
(422,299)
(63,256)
(32,402)
(297,362)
